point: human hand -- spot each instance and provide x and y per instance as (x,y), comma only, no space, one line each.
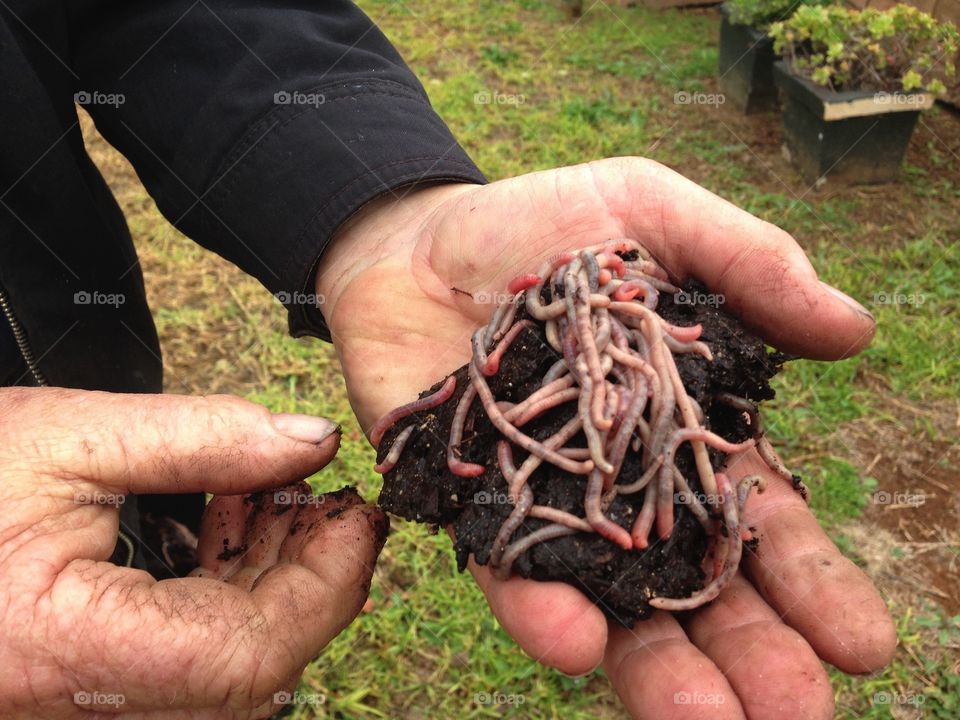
(398,281)
(280,574)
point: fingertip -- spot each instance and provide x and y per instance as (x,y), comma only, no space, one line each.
(861,636)
(782,300)
(660,675)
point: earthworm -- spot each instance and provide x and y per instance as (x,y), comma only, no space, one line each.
(763,445)
(521,507)
(456,465)
(492,365)
(519,547)
(542,405)
(394,455)
(430,401)
(545,512)
(598,521)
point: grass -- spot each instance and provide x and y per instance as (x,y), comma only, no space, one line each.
(527,89)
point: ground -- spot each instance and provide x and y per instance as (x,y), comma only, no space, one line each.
(526,87)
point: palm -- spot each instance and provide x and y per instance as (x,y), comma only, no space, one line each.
(405,320)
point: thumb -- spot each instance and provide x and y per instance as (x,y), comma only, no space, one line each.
(162,443)
(764,275)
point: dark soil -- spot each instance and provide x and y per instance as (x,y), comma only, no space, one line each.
(422,488)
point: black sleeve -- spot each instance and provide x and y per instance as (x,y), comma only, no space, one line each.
(259,127)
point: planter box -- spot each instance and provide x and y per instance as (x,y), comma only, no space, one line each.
(746,67)
(853,137)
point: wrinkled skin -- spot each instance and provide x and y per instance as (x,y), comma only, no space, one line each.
(78,630)
(398,327)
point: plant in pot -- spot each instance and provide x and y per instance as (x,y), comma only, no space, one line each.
(746,51)
(854,84)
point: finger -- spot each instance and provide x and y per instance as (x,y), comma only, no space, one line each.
(270,515)
(659,675)
(167,443)
(769,665)
(222,530)
(200,642)
(764,275)
(810,584)
(310,516)
(552,622)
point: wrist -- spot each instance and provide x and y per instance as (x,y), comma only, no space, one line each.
(385,230)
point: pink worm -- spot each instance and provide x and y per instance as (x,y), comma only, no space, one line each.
(493,359)
(430,401)
(631,288)
(683,334)
(609,259)
(604,526)
(523,282)
(394,455)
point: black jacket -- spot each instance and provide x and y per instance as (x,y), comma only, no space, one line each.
(258,127)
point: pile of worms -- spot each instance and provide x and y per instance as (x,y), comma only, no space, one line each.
(616,362)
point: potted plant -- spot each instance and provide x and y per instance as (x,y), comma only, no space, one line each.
(854,83)
(746,51)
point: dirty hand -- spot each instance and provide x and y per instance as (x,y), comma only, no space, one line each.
(80,634)
(399,326)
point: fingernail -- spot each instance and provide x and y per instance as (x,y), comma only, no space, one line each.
(305,428)
(575,677)
(860,309)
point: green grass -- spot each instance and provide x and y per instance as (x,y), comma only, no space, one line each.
(602,86)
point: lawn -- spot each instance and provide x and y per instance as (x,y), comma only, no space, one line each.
(525,87)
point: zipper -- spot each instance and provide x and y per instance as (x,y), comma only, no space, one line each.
(21,339)
(26,352)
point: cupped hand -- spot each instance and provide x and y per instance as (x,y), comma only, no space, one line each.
(281,572)
(408,280)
